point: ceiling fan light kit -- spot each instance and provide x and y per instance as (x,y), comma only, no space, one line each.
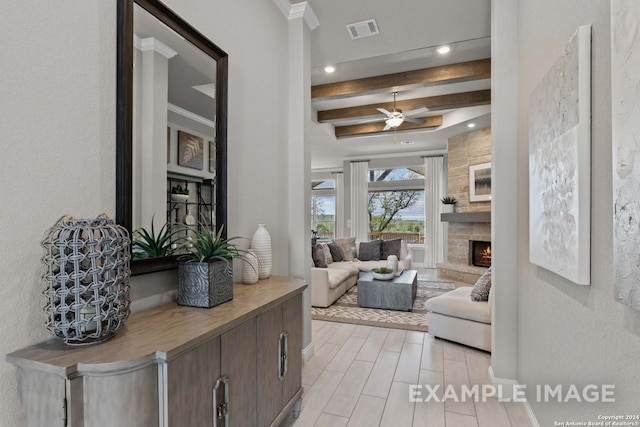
(396,117)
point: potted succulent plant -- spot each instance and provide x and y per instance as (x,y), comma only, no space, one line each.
(148,244)
(205,270)
(449,203)
(179,194)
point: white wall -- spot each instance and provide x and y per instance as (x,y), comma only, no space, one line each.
(569,333)
(58,138)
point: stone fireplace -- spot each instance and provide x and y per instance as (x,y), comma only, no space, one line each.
(471,221)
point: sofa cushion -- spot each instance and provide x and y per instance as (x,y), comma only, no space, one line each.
(327,253)
(336,252)
(457,303)
(391,247)
(348,247)
(345,265)
(337,276)
(317,253)
(370,251)
(480,291)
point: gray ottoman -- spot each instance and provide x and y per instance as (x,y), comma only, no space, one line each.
(396,294)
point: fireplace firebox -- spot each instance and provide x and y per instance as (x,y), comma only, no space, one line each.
(480,253)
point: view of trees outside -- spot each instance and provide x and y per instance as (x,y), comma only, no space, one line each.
(323,215)
(386,208)
(390,211)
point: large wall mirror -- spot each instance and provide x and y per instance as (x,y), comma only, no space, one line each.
(171,126)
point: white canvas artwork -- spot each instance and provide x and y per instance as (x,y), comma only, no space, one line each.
(559,163)
(625,97)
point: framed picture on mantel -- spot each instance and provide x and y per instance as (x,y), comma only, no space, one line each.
(480,182)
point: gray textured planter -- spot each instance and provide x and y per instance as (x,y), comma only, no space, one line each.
(202,284)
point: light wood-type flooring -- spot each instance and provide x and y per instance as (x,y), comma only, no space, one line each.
(360,376)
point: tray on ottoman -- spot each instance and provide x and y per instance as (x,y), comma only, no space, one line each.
(396,294)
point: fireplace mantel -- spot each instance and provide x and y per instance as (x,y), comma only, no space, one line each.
(466,217)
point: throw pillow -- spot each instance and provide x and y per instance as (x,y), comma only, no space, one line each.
(317,253)
(327,253)
(370,251)
(336,252)
(391,247)
(348,247)
(480,291)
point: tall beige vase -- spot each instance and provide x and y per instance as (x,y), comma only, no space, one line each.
(250,268)
(261,245)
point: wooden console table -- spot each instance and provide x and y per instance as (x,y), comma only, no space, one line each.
(237,364)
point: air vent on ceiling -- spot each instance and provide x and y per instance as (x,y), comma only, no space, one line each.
(362,29)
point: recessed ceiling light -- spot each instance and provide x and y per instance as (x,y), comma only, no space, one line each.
(406,142)
(443,49)
(471,125)
(329,69)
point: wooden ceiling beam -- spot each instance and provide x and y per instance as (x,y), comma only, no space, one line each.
(464,71)
(433,103)
(369,128)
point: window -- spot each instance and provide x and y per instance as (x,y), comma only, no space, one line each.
(396,204)
(323,208)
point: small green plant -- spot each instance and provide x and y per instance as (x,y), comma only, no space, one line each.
(206,246)
(449,200)
(383,270)
(148,244)
(179,190)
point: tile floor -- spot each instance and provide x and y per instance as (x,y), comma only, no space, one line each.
(360,376)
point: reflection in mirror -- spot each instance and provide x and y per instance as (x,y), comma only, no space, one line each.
(172,151)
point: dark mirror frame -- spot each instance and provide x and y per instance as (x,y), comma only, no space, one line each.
(124,118)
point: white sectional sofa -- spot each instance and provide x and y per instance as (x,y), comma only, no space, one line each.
(455,317)
(331,282)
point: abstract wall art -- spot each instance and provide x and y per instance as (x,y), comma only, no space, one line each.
(559,164)
(625,97)
(190,150)
(480,182)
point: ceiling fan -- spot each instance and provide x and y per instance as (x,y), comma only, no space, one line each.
(396,117)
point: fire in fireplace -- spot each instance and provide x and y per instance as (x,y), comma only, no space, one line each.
(480,253)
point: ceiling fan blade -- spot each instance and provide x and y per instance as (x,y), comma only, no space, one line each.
(387,127)
(377,119)
(383,111)
(416,111)
(412,120)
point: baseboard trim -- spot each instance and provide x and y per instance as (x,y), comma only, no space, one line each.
(506,385)
(307,353)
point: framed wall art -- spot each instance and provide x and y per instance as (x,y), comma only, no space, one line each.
(190,150)
(560,164)
(480,182)
(625,108)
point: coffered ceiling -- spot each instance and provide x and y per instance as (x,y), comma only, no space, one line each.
(402,58)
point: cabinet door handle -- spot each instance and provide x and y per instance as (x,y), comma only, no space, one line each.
(285,357)
(280,349)
(221,410)
(283,344)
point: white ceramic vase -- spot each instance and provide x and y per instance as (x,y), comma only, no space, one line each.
(392,263)
(261,245)
(250,268)
(449,208)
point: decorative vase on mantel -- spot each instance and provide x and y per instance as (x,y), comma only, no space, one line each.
(261,245)
(250,268)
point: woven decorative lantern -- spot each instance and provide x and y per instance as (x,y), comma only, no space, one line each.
(87,275)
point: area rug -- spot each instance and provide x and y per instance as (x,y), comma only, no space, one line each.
(346,310)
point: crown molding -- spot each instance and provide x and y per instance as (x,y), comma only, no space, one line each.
(151,43)
(188,114)
(299,10)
